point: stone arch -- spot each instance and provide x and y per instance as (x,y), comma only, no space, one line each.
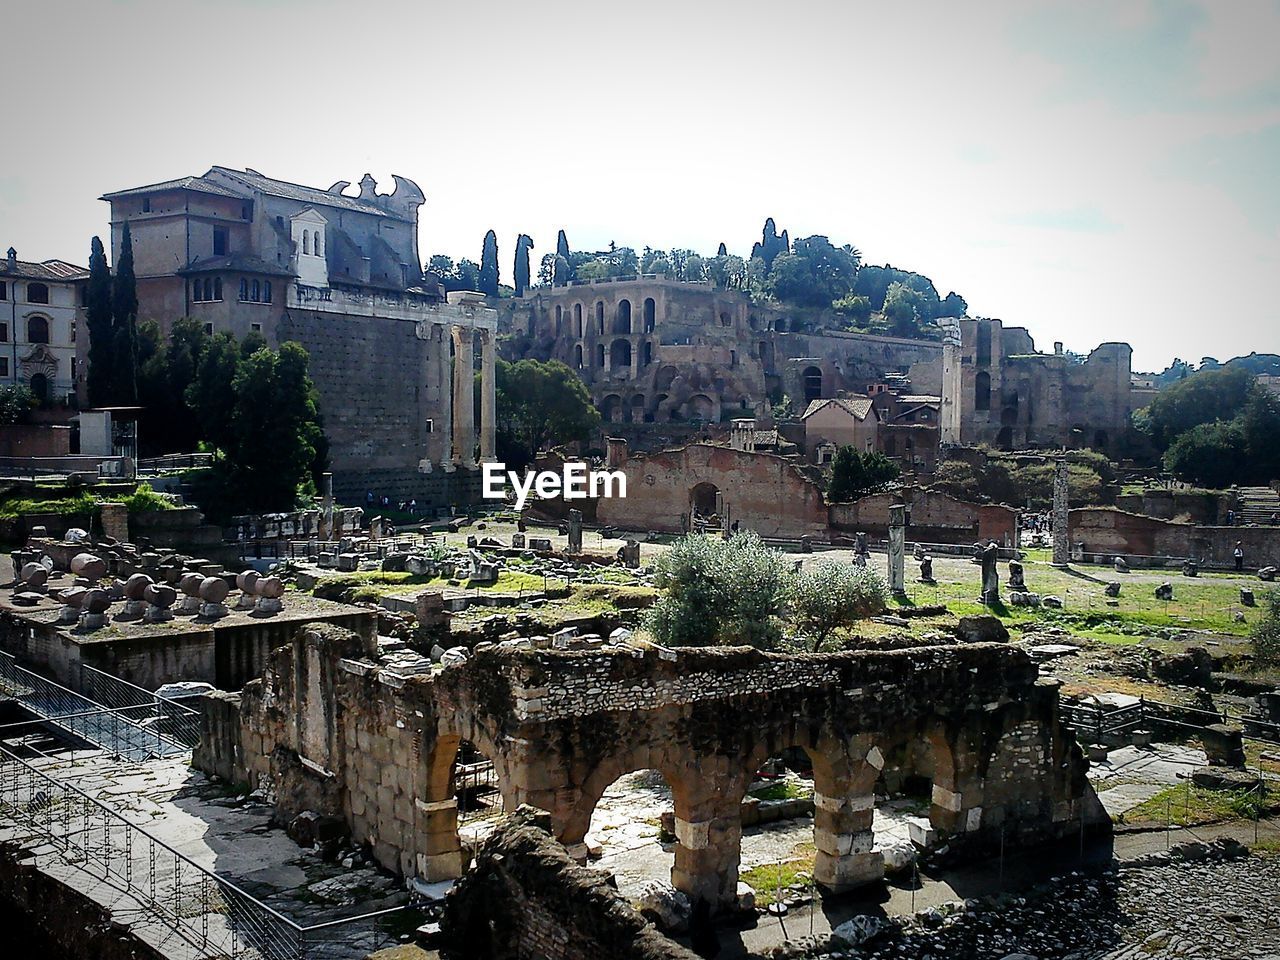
(650,314)
(982,391)
(620,354)
(577,319)
(600,355)
(611,408)
(647,356)
(622,317)
(704,499)
(559,318)
(637,408)
(577,356)
(666,376)
(725,320)
(1009,415)
(812,378)
(701,407)
(780,325)
(600,316)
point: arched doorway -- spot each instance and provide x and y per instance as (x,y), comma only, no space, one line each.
(622,318)
(577,356)
(704,500)
(701,407)
(40,387)
(812,383)
(630,832)
(650,315)
(620,356)
(611,408)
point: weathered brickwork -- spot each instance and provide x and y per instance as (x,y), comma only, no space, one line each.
(1109,532)
(328,729)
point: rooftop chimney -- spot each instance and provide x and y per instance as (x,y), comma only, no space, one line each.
(13,259)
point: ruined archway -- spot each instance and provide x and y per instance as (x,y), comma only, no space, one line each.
(620,355)
(666,377)
(611,408)
(704,499)
(577,319)
(650,314)
(812,378)
(630,829)
(702,407)
(577,356)
(622,317)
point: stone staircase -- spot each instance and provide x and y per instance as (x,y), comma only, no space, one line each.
(1258,505)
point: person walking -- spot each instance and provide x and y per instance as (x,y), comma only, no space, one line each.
(1239,555)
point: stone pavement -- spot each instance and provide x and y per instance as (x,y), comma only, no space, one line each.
(1131,775)
(166,900)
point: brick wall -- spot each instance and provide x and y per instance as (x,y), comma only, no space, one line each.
(1107,531)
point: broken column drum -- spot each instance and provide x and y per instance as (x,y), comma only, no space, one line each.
(897,548)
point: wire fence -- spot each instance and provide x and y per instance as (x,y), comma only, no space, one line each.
(129,731)
(1099,722)
(214,916)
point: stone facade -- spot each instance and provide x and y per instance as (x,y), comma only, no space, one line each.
(1107,532)
(934,517)
(329,729)
(339,274)
(40,310)
(653,350)
(997,390)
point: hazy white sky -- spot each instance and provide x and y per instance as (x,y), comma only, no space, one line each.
(1091,170)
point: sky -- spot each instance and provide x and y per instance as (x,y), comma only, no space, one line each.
(1093,171)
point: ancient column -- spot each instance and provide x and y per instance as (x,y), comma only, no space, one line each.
(1061,509)
(897,548)
(488,397)
(575,532)
(326,507)
(444,371)
(464,408)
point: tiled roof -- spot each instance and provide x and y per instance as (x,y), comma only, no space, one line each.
(858,407)
(920,398)
(296,191)
(237,261)
(52,270)
(198,184)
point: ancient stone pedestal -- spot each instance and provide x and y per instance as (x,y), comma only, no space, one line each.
(575,531)
(1223,745)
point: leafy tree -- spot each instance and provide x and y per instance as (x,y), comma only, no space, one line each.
(771,245)
(727,272)
(98,313)
(1209,454)
(815,273)
(16,404)
(274,428)
(874,283)
(854,474)
(124,318)
(720,592)
(536,403)
(210,394)
(1265,635)
(826,596)
(520,271)
(1200,398)
(856,308)
(904,307)
(656,261)
(1033,483)
(953,306)
(489,265)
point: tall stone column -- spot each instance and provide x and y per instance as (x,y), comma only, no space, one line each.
(897,548)
(1061,513)
(444,376)
(464,409)
(488,397)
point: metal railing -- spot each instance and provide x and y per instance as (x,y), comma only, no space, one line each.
(1097,721)
(175,461)
(171,718)
(126,731)
(212,914)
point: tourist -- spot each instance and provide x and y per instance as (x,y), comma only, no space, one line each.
(1239,555)
(1231,518)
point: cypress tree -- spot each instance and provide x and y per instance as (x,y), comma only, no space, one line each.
(723,251)
(124,317)
(524,243)
(564,264)
(98,318)
(489,265)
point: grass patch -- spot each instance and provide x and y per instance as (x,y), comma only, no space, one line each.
(770,879)
(786,789)
(1186,805)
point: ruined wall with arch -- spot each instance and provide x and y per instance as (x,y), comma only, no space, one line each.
(330,729)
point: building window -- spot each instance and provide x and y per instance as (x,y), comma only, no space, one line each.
(255,327)
(146,204)
(40,387)
(4,366)
(4,333)
(266,291)
(257,291)
(219,241)
(244,211)
(38,330)
(208,328)
(244,289)
(982,391)
(217,288)
(306,242)
(319,244)
(37,293)
(4,290)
